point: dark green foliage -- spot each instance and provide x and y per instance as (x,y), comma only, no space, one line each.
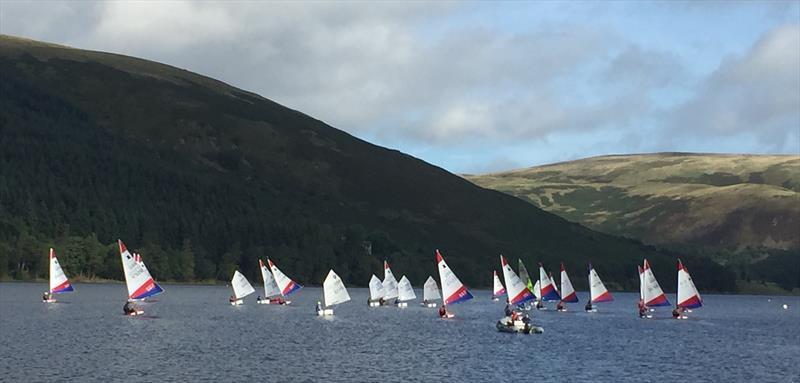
(203,179)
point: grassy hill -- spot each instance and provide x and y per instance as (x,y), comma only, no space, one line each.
(666,198)
(202,178)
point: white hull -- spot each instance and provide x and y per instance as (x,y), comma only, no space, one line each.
(268,302)
(430,304)
(402,304)
(374,304)
(325,312)
(591,311)
(237,302)
(495,299)
(447,315)
(51,300)
(135,313)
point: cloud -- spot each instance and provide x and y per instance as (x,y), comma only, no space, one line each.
(757,94)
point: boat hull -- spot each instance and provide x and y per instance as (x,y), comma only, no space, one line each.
(429,304)
(517,326)
(402,304)
(237,302)
(374,304)
(135,313)
(51,300)
(325,312)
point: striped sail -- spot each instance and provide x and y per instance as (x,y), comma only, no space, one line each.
(597,290)
(653,295)
(453,290)
(137,278)
(549,292)
(285,284)
(688,297)
(567,291)
(497,287)
(58,280)
(518,292)
(270,287)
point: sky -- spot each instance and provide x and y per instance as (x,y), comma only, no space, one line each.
(478,87)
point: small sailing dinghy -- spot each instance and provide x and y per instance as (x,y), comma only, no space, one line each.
(285,284)
(405,292)
(597,291)
(653,296)
(453,290)
(375,292)
(58,280)
(272,294)
(333,293)
(430,293)
(687,296)
(549,292)
(389,284)
(498,290)
(241,288)
(138,280)
(518,294)
(568,294)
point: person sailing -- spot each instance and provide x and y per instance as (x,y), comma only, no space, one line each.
(561,306)
(129,308)
(442,311)
(677,312)
(588,306)
(46,296)
(642,309)
(319,306)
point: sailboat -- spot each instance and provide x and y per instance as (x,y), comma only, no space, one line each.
(568,294)
(137,278)
(537,292)
(285,284)
(333,293)
(241,288)
(430,292)
(687,296)
(270,287)
(375,292)
(453,290)
(597,290)
(389,284)
(405,292)
(498,290)
(518,293)
(652,293)
(58,280)
(549,292)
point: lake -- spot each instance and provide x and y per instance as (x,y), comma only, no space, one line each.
(192,334)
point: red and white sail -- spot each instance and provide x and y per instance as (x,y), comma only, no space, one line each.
(641,282)
(389,282)
(567,291)
(58,280)
(497,289)
(597,290)
(285,284)
(137,278)
(688,297)
(549,292)
(518,292)
(453,290)
(653,295)
(270,287)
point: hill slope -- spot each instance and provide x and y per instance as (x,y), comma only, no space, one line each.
(730,201)
(202,178)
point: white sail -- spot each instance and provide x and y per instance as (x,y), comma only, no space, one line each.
(641,282)
(453,290)
(497,288)
(537,290)
(597,290)
(688,297)
(404,290)
(241,287)
(567,291)
(270,287)
(430,290)
(58,280)
(389,283)
(333,290)
(285,284)
(653,294)
(375,288)
(517,290)
(137,278)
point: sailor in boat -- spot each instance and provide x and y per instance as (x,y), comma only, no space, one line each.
(442,311)
(319,306)
(642,309)
(129,308)
(508,311)
(560,306)
(678,312)
(232,299)
(46,296)
(539,304)
(588,306)
(277,301)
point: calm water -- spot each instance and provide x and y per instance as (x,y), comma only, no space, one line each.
(193,334)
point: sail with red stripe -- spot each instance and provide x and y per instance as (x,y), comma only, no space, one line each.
(653,295)
(549,292)
(137,278)
(567,291)
(58,280)
(453,290)
(518,292)
(285,284)
(497,289)
(688,297)
(597,290)
(641,282)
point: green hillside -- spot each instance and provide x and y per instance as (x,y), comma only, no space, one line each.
(737,208)
(201,178)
